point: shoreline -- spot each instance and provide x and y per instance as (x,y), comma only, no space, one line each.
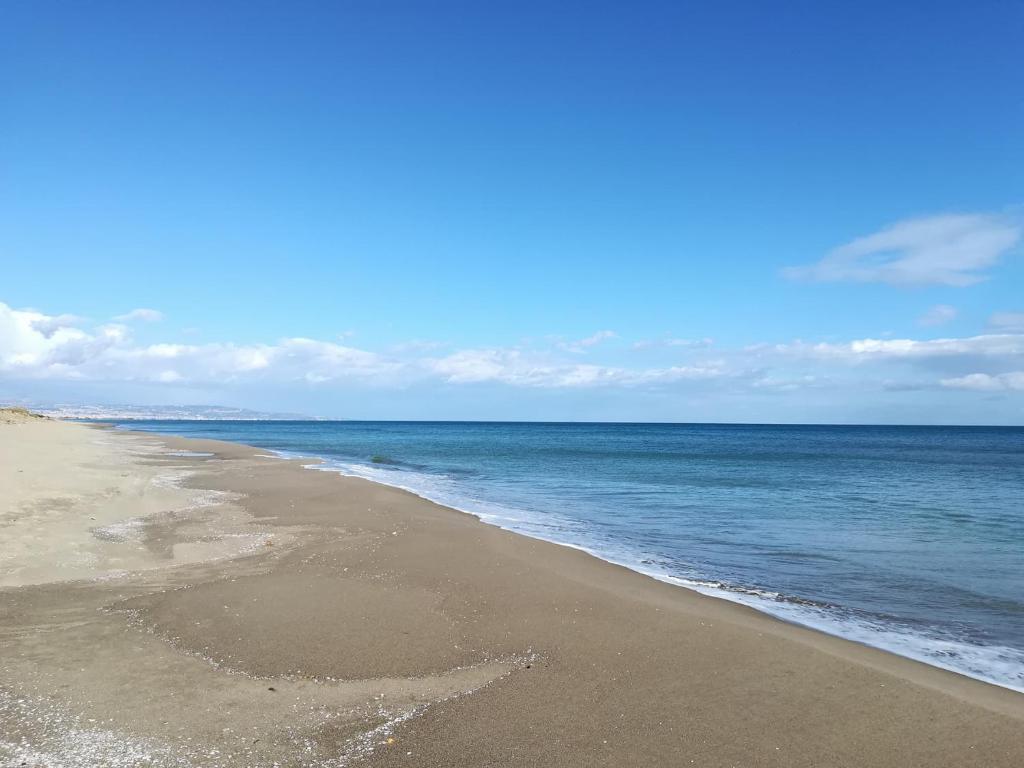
(792,609)
(414,632)
(311,462)
(734,595)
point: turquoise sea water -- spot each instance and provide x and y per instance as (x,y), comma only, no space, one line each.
(905,538)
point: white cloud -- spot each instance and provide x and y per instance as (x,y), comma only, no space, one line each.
(582,345)
(142,315)
(27,338)
(34,345)
(940,314)
(985,382)
(47,325)
(1007,321)
(947,249)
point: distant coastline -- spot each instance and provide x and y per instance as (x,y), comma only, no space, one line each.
(158,412)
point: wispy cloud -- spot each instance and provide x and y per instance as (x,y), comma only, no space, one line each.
(862,350)
(1007,321)
(788,384)
(582,345)
(940,314)
(984,382)
(141,315)
(947,249)
(418,345)
(673,342)
(516,367)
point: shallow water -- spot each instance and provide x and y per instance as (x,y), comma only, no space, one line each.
(906,538)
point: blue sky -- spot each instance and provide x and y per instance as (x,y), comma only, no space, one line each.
(623,211)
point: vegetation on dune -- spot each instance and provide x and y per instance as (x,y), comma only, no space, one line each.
(16,415)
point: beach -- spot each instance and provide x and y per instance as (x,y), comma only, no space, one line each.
(182,602)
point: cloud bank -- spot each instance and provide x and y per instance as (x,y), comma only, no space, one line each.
(34,345)
(59,348)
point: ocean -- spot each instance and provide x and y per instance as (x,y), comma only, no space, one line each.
(909,539)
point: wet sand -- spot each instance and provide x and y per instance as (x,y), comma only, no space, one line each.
(250,612)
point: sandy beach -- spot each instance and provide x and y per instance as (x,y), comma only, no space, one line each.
(172,602)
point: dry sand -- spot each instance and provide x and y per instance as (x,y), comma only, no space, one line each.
(249,612)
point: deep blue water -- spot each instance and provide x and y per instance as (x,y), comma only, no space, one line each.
(905,538)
